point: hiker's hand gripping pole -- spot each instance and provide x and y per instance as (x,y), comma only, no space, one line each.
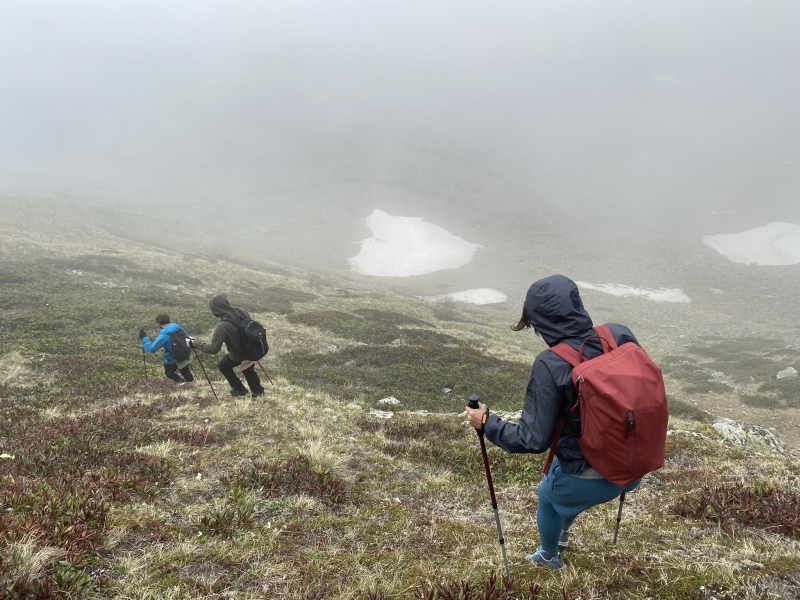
(473,404)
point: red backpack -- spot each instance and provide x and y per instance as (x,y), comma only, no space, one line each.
(623,409)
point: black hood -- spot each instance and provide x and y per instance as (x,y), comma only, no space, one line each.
(220,307)
(555,309)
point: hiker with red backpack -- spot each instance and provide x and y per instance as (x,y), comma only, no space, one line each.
(595,399)
(245,341)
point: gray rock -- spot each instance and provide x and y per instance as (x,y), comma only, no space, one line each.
(361,344)
(333,347)
(788,373)
(351,363)
(396,342)
(382,414)
(745,434)
(446,390)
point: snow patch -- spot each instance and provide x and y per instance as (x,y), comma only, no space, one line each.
(774,244)
(476,296)
(406,246)
(656,295)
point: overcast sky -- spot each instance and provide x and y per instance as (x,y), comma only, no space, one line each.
(632,104)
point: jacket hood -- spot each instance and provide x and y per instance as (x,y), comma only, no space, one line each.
(555,309)
(171,328)
(220,307)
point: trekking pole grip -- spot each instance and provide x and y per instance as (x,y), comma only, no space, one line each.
(472,402)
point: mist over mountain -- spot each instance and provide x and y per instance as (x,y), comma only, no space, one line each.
(599,140)
(621,107)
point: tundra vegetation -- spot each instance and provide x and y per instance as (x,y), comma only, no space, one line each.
(113,487)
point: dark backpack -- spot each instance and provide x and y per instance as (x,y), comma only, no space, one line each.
(253,337)
(623,409)
(180,351)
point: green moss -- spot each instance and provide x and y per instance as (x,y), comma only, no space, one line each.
(684,410)
(746,361)
(389,317)
(415,375)
(348,326)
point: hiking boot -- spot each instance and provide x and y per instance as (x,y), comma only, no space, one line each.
(258,393)
(238,393)
(540,557)
(563,539)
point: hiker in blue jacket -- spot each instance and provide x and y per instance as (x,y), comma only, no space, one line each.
(553,308)
(164,340)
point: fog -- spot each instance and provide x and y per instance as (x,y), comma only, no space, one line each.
(303,117)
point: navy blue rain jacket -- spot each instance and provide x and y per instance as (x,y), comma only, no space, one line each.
(555,309)
(163,341)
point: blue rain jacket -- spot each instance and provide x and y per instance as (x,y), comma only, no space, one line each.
(163,341)
(555,309)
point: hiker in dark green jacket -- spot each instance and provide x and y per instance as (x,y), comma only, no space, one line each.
(226,332)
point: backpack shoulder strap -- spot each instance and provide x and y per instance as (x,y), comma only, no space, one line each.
(606,338)
(554,446)
(236,322)
(567,353)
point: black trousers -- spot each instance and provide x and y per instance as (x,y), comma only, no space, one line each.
(171,371)
(226,366)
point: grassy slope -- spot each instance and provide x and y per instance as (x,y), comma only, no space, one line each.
(121,489)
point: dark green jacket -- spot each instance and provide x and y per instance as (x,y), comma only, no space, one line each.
(224,333)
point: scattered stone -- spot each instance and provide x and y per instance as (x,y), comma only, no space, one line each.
(788,373)
(750,564)
(288,388)
(420,412)
(744,433)
(333,347)
(353,406)
(687,434)
(382,414)
(446,390)
(351,363)
(361,344)
(389,400)
(396,342)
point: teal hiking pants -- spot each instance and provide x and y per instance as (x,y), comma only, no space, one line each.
(562,497)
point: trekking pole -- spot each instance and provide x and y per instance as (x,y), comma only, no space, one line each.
(473,403)
(200,362)
(619,515)
(144,362)
(265,372)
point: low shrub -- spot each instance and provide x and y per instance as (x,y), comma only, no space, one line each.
(282,478)
(767,508)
